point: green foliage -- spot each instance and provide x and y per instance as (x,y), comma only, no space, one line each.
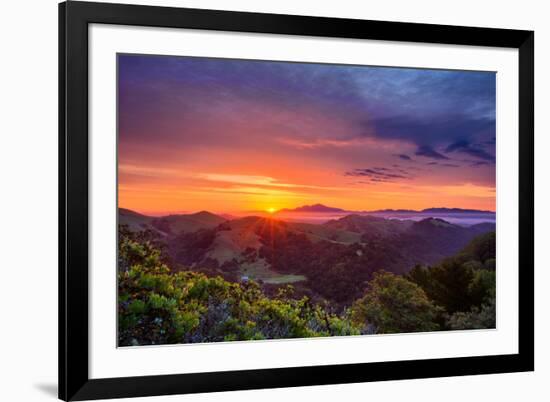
(482,287)
(482,315)
(482,248)
(157,306)
(393,304)
(139,248)
(478,318)
(490,263)
(461,282)
(448,285)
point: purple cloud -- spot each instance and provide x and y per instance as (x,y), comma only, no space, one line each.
(428,152)
(466,147)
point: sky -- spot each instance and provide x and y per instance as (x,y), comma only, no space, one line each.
(239,136)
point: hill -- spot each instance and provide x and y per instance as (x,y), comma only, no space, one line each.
(175,224)
(369,225)
(317,233)
(454,211)
(135,221)
(316,208)
(410,242)
(330,261)
(236,246)
(170,224)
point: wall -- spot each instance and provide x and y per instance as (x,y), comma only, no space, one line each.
(28,166)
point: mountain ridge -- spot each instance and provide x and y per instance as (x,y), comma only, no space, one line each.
(313,208)
(320,208)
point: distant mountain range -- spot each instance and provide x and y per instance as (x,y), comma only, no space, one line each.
(314,208)
(320,208)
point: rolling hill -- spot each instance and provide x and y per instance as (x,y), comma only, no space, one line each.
(411,242)
(330,259)
(368,225)
(316,208)
(135,221)
(174,224)
(170,224)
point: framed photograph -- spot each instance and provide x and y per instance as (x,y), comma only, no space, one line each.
(258,201)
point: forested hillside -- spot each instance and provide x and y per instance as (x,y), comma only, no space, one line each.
(159,304)
(333,261)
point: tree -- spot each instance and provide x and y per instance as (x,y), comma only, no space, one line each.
(461,282)
(451,281)
(481,248)
(478,318)
(393,304)
(482,287)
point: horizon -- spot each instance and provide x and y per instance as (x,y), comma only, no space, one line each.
(283,211)
(236,136)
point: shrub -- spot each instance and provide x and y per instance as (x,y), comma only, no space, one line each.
(393,304)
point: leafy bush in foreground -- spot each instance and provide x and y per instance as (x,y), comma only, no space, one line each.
(478,318)
(393,304)
(157,306)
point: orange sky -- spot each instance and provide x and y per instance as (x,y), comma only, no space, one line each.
(235,138)
(268,181)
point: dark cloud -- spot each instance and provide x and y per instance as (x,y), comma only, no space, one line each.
(461,144)
(465,147)
(403,156)
(479,163)
(380,174)
(428,152)
(374,173)
(478,153)
(449,165)
(433,131)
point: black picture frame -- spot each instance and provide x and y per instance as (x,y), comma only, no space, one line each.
(74,381)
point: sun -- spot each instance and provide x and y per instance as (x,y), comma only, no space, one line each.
(271,210)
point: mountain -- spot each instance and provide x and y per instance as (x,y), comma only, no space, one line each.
(314,208)
(427,211)
(135,221)
(409,242)
(170,224)
(454,211)
(368,224)
(483,227)
(392,211)
(320,208)
(317,233)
